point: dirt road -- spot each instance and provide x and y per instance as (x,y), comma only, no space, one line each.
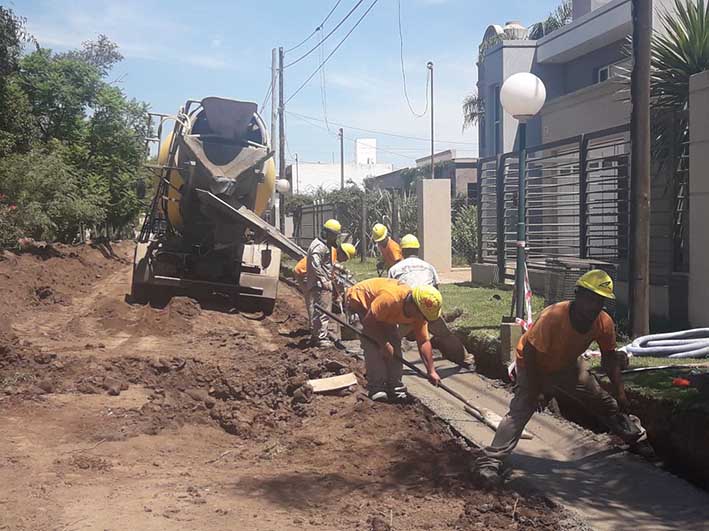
(116,416)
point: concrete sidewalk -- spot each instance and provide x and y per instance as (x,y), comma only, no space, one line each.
(608,488)
(456,275)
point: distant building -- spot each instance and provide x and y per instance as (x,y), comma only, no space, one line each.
(307,177)
(462,172)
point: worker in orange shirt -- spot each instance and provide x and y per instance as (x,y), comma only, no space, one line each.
(549,361)
(381,305)
(340,254)
(389,249)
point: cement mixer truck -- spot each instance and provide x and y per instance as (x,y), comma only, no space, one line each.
(203,233)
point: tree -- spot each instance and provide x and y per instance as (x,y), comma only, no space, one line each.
(465,233)
(678,52)
(473,110)
(560,17)
(102,54)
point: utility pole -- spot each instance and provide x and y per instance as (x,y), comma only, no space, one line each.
(281,137)
(342,159)
(363,227)
(639,303)
(275,215)
(297,175)
(429,65)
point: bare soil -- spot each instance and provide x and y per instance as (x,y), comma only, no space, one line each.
(119,416)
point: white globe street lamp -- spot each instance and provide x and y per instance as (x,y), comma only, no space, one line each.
(522,95)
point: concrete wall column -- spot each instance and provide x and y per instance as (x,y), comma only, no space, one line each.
(699,200)
(434,222)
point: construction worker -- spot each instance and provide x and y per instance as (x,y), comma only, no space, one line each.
(416,272)
(389,249)
(319,281)
(344,252)
(549,362)
(382,304)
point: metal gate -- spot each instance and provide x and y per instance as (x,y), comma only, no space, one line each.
(577,201)
(308,220)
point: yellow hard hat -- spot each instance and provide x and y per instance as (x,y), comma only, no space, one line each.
(379,232)
(597,281)
(349,250)
(410,242)
(333,225)
(428,300)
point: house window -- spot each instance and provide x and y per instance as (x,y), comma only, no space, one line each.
(497,119)
(603,73)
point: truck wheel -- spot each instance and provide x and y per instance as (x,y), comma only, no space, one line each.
(267,306)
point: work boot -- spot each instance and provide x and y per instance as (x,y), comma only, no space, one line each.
(487,477)
(400,395)
(625,427)
(378,396)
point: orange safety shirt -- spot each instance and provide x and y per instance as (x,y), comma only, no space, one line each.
(557,342)
(302,266)
(385,298)
(391,252)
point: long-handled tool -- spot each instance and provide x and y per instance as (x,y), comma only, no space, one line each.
(469,408)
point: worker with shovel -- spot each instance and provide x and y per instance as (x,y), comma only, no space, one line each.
(319,281)
(549,361)
(413,272)
(383,304)
(389,249)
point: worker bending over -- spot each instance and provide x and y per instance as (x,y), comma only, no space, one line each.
(549,362)
(389,249)
(413,272)
(319,281)
(381,305)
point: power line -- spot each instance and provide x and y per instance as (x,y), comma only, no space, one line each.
(265,99)
(305,120)
(318,27)
(306,54)
(302,86)
(403,72)
(323,90)
(384,133)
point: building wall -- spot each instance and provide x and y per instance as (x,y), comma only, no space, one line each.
(597,107)
(581,72)
(699,200)
(434,222)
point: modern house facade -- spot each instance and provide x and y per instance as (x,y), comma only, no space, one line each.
(583,65)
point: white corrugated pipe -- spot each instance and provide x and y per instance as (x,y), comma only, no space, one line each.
(683,344)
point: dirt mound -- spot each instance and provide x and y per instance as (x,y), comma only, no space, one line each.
(54,275)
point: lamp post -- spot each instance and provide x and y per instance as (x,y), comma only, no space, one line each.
(522,95)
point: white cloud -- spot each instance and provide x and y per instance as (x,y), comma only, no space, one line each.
(138,33)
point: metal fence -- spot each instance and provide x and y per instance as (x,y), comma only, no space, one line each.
(308,220)
(577,201)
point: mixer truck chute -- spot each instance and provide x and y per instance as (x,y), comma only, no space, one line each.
(204,233)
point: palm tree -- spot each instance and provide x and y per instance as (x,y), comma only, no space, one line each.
(558,18)
(679,51)
(473,110)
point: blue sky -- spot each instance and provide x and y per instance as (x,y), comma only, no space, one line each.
(175,50)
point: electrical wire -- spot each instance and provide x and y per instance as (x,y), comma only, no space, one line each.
(306,54)
(351,139)
(316,29)
(265,99)
(385,133)
(323,90)
(403,73)
(311,76)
